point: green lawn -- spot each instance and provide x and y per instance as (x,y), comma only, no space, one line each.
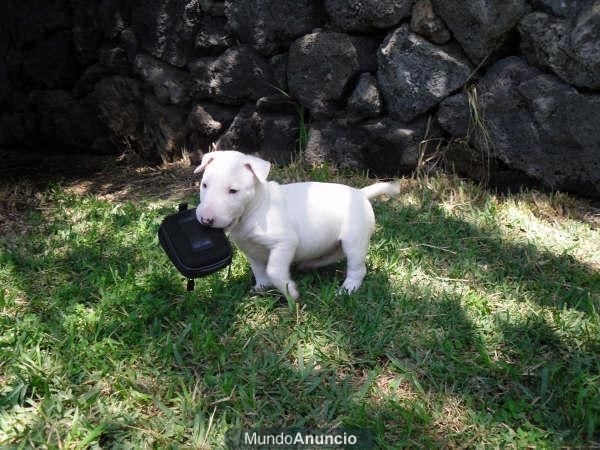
(478,325)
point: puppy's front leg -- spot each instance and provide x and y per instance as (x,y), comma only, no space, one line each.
(278,269)
(259,269)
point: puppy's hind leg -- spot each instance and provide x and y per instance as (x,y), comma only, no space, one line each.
(356,253)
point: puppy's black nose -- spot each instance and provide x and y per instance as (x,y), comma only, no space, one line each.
(208,221)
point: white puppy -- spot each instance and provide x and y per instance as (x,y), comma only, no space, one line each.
(311,224)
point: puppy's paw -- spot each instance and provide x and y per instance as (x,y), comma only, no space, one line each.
(292,290)
(262,286)
(349,286)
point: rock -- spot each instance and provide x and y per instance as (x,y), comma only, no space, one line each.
(90,77)
(119,107)
(269,25)
(13,131)
(330,143)
(51,63)
(427,23)
(453,115)
(213,37)
(221,113)
(128,41)
(87,34)
(245,132)
(113,17)
(567,155)
(5,84)
(205,122)
(167,28)
(319,68)
(64,122)
(164,131)
(170,85)
(200,120)
(415,75)
(366,51)
(279,137)
(480,27)
(238,75)
(365,15)
(277,104)
(114,59)
(560,8)
(364,101)
(536,124)
(279,67)
(394,146)
(213,7)
(569,48)
(33,20)
(272,136)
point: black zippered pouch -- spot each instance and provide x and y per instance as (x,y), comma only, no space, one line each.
(194,249)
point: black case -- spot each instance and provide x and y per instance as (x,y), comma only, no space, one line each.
(194,249)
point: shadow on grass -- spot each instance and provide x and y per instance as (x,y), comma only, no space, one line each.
(395,358)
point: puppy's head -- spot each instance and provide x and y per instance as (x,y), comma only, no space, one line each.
(228,185)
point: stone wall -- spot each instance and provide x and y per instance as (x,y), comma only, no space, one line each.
(517,81)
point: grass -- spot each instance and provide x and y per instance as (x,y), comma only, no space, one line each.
(478,325)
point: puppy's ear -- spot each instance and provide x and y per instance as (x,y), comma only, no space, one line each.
(259,167)
(206,160)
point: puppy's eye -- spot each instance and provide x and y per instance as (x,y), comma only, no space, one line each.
(233,191)
(204,185)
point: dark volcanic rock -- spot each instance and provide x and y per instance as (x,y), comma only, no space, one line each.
(119,106)
(65,122)
(454,116)
(277,104)
(365,15)
(213,36)
(245,132)
(320,65)
(32,20)
(569,48)
(237,75)
(90,77)
(535,124)
(269,25)
(51,63)
(279,137)
(164,131)
(114,59)
(128,41)
(170,85)
(271,135)
(365,101)
(113,17)
(394,146)
(366,51)
(205,122)
(560,8)
(427,23)
(279,66)
(480,26)
(87,34)
(167,28)
(415,75)
(334,144)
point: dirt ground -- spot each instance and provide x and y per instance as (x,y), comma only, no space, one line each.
(116,178)
(125,177)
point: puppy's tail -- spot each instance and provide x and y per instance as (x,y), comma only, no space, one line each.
(375,190)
